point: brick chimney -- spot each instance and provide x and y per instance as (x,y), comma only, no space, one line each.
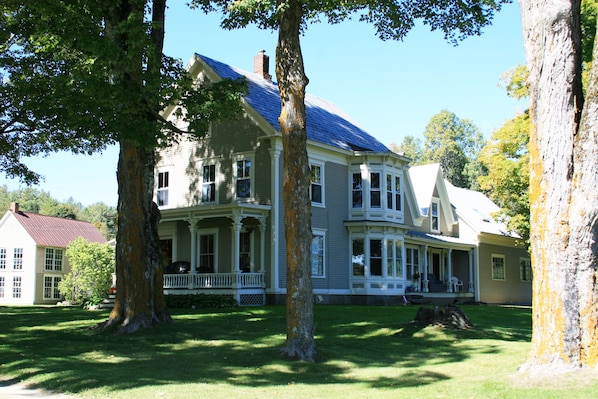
(14,207)
(261,65)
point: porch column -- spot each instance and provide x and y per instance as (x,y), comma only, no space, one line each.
(235,241)
(193,260)
(262,228)
(425,272)
(470,253)
(449,269)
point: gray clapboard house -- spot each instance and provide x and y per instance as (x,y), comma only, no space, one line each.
(381,229)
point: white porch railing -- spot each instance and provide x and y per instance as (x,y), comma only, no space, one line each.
(214,280)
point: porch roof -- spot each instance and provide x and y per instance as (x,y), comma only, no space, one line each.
(437,239)
(240,210)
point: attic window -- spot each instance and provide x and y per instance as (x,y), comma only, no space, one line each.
(434,216)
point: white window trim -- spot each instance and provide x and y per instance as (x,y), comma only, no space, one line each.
(20,287)
(394,175)
(504,263)
(528,260)
(243,157)
(15,257)
(3,258)
(165,188)
(217,181)
(53,276)
(435,201)
(53,269)
(207,232)
(322,183)
(321,233)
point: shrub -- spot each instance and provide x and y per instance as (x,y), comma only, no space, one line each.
(92,265)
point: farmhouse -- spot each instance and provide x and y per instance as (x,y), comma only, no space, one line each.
(382,229)
(32,255)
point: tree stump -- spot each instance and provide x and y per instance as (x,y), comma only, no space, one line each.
(445,316)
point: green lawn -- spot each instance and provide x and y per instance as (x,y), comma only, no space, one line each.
(364,352)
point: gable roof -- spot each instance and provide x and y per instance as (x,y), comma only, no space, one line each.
(425,180)
(477,210)
(326,123)
(57,232)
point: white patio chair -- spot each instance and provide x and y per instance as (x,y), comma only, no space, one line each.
(457,284)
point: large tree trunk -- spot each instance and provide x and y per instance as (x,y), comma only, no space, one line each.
(290,72)
(139,296)
(139,281)
(563,199)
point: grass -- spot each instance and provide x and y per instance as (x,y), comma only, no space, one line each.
(364,352)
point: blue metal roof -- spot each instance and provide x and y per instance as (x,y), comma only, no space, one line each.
(326,123)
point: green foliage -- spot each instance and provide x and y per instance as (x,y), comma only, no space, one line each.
(515,82)
(69,82)
(201,301)
(90,278)
(392,19)
(411,147)
(589,18)
(454,143)
(506,159)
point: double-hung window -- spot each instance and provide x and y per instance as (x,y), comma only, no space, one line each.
(2,258)
(357,191)
(17,261)
(53,260)
(434,216)
(2,285)
(16,286)
(317,255)
(498,267)
(315,188)
(208,189)
(393,192)
(394,262)
(525,269)
(375,190)
(243,175)
(51,287)
(163,184)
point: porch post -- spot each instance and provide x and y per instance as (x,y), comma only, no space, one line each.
(449,267)
(235,240)
(262,228)
(425,272)
(470,270)
(193,260)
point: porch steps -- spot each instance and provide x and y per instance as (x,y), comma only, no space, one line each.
(108,303)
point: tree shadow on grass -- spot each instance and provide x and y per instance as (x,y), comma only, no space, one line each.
(54,348)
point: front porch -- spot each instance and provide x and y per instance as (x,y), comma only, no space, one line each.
(247,288)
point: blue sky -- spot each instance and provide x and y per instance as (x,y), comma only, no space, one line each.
(391,89)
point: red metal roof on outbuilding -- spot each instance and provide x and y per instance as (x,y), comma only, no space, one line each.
(52,231)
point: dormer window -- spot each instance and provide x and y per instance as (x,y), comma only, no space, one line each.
(434,216)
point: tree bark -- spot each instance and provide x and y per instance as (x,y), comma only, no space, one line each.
(139,298)
(563,198)
(300,342)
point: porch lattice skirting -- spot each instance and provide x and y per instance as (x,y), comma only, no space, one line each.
(247,288)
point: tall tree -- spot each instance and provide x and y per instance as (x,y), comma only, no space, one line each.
(563,197)
(455,143)
(392,20)
(411,147)
(91,73)
(506,160)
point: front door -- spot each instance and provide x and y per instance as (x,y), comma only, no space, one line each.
(437,265)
